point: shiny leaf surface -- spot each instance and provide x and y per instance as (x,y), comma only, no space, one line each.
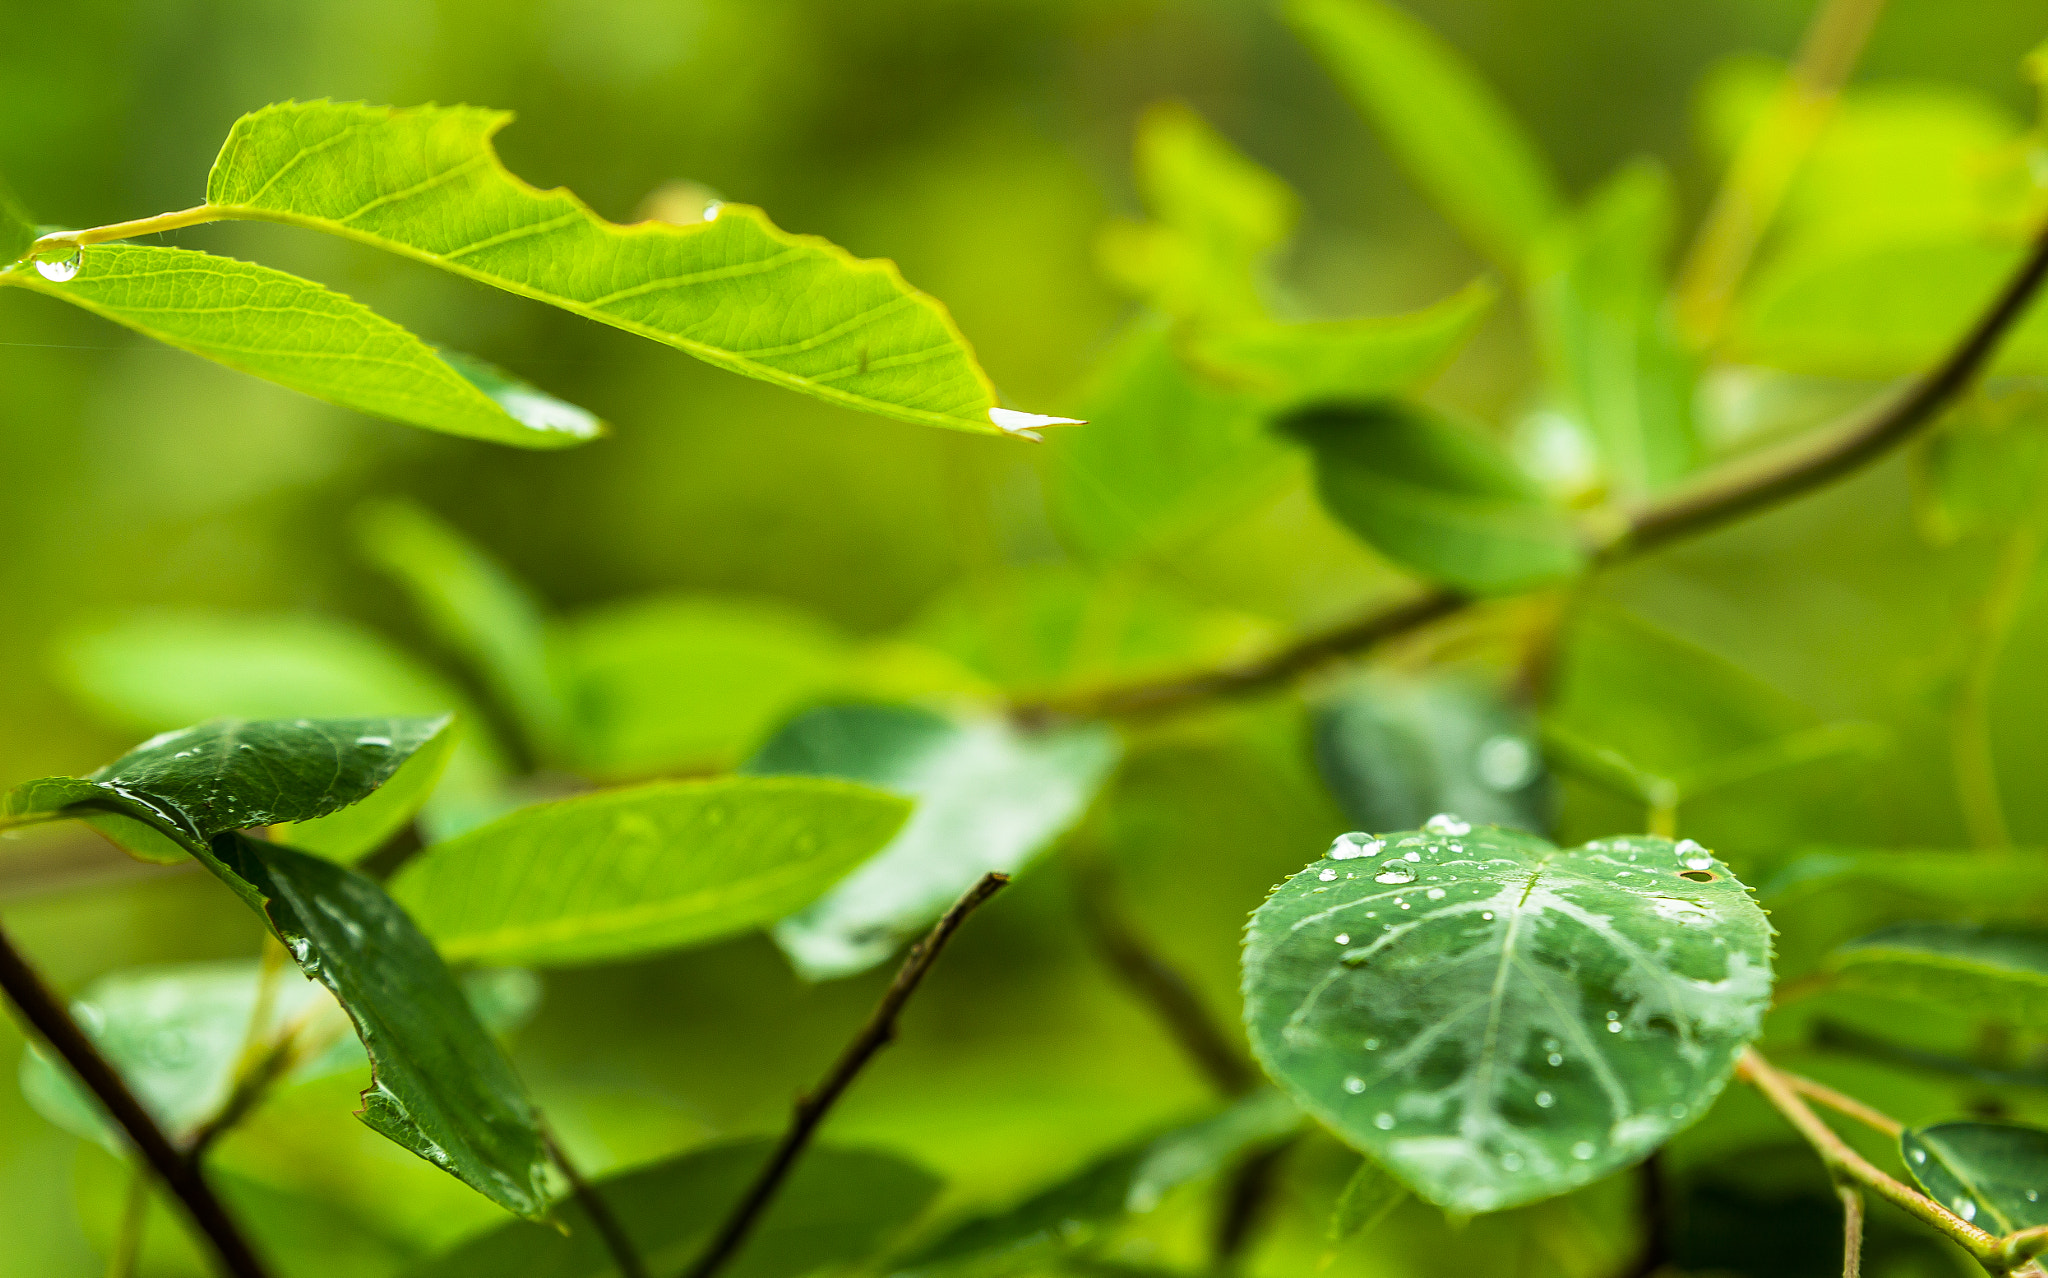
(1994,1175)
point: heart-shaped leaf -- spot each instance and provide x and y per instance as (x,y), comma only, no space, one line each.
(1994,1175)
(1496,1020)
(2000,974)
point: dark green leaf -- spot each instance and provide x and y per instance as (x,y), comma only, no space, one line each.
(1439,119)
(1496,1021)
(1994,1175)
(988,798)
(361,828)
(839,1206)
(1437,498)
(1397,749)
(1368,1198)
(1999,974)
(634,871)
(294,332)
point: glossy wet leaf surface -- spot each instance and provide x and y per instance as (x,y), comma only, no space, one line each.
(988,798)
(1994,1175)
(426,182)
(1999,974)
(298,334)
(1496,1020)
(642,869)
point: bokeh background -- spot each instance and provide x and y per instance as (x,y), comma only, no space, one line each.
(982,145)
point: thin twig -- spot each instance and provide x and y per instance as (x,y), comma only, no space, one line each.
(1876,1120)
(44,1011)
(251,1086)
(1653,1207)
(625,1256)
(812,1107)
(1718,498)
(1852,1230)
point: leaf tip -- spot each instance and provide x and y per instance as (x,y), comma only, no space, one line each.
(1027,425)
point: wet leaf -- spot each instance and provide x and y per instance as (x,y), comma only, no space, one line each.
(361,828)
(426,182)
(634,871)
(1999,974)
(1436,498)
(988,798)
(1497,1021)
(1994,1175)
(298,334)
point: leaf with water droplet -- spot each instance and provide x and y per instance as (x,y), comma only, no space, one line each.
(1528,944)
(1998,974)
(1991,1174)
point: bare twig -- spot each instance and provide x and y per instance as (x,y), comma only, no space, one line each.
(625,1256)
(1875,1119)
(812,1107)
(48,1015)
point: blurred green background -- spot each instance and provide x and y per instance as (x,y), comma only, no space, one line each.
(982,144)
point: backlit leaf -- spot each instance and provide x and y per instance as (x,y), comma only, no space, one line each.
(1994,1175)
(1496,1020)
(1999,974)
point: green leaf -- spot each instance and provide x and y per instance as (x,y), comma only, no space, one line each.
(1439,119)
(361,828)
(1496,1021)
(426,182)
(1437,498)
(628,872)
(17,229)
(475,606)
(1367,1199)
(838,1207)
(1397,749)
(1612,354)
(1999,974)
(678,683)
(298,334)
(1291,366)
(1994,1175)
(988,798)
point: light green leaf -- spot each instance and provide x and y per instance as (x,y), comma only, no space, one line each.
(1367,1199)
(1495,1020)
(361,828)
(1291,366)
(1981,469)
(298,334)
(1994,1175)
(679,683)
(633,871)
(475,606)
(17,229)
(1612,354)
(1437,498)
(1998,974)
(838,1207)
(1398,749)
(427,183)
(1202,1149)
(988,798)
(1439,119)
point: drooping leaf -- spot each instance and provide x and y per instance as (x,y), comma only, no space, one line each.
(839,1206)
(1437,116)
(1994,1175)
(634,871)
(1612,353)
(988,798)
(361,828)
(1396,750)
(1495,1020)
(1436,497)
(1999,974)
(475,606)
(426,182)
(298,334)
(1367,1199)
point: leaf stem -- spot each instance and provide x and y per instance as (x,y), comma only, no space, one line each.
(1720,497)
(812,1107)
(1852,1230)
(625,1256)
(1875,1119)
(48,1015)
(197,215)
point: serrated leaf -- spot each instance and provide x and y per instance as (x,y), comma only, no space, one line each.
(1367,1199)
(1994,1175)
(989,798)
(426,182)
(643,869)
(837,1207)
(1436,497)
(1497,1020)
(1437,116)
(477,607)
(1396,750)
(298,334)
(1999,974)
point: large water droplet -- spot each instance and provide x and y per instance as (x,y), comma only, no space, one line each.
(1395,874)
(60,269)
(1694,856)
(1349,847)
(1445,823)
(1505,763)
(1327,875)
(1614,1027)
(1435,894)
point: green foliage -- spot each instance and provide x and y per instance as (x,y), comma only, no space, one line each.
(1496,1021)
(1988,1173)
(2001,975)
(1368,1198)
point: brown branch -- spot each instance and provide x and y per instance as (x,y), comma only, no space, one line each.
(812,1107)
(48,1015)
(625,1256)
(1718,498)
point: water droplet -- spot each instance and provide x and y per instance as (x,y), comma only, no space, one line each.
(1505,763)
(1402,904)
(1694,856)
(2033,1195)
(1354,1084)
(1372,1045)
(1445,823)
(1327,875)
(712,208)
(1965,1208)
(1614,1027)
(1487,915)
(1343,938)
(1544,1100)
(380,742)
(1395,874)
(1349,847)
(1411,856)
(1436,894)
(60,270)
(1919,1155)
(1555,1058)
(1583,1150)
(1385,1121)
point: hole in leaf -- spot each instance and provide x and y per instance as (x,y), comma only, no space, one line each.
(1698,876)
